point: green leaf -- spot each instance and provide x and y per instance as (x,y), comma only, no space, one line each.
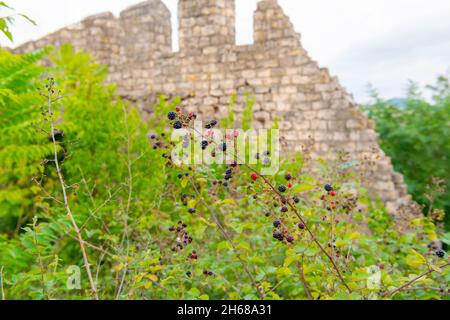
(415,259)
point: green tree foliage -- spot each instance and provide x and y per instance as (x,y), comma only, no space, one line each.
(7,20)
(415,136)
(154,230)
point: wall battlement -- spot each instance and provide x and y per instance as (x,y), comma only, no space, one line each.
(287,84)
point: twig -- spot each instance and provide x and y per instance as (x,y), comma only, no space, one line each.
(303,280)
(313,237)
(64,192)
(127,209)
(1,283)
(41,265)
(407,284)
(229,240)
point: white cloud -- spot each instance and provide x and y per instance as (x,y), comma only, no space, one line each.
(384,42)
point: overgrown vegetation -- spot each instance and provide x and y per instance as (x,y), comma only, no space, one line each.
(153,230)
(415,135)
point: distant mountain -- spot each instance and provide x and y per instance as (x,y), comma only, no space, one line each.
(398,102)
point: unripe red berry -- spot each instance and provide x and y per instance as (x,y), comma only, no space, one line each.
(254,176)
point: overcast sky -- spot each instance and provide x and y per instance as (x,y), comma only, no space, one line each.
(384,42)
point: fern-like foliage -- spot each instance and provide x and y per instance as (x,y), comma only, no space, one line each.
(23,145)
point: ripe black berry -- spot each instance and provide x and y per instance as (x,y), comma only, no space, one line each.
(171,115)
(284,209)
(180,175)
(225,184)
(276,223)
(204,144)
(290,239)
(296,200)
(328,187)
(440,253)
(224,147)
(278,235)
(177,125)
(229,171)
(282,188)
(288,177)
(191,211)
(301,226)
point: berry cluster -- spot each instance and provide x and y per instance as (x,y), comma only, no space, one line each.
(193,255)
(180,120)
(280,233)
(211,124)
(208,273)
(182,237)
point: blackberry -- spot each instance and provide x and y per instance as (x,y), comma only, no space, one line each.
(228,177)
(328,187)
(282,188)
(288,177)
(180,175)
(276,223)
(440,253)
(296,200)
(204,144)
(177,125)
(225,184)
(229,171)
(278,235)
(191,211)
(171,115)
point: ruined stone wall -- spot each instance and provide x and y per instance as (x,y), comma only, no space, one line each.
(287,84)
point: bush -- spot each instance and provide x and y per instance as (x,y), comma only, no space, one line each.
(414,136)
(154,230)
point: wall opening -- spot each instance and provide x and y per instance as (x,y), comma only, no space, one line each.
(244,21)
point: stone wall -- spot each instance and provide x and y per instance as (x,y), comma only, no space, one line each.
(287,84)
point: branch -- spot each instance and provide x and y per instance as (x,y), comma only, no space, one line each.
(63,189)
(407,284)
(228,238)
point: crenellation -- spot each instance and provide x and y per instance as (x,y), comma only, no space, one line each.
(209,67)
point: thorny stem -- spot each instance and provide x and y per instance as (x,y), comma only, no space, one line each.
(303,280)
(64,192)
(407,284)
(313,237)
(230,241)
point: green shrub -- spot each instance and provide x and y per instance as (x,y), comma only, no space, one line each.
(128,199)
